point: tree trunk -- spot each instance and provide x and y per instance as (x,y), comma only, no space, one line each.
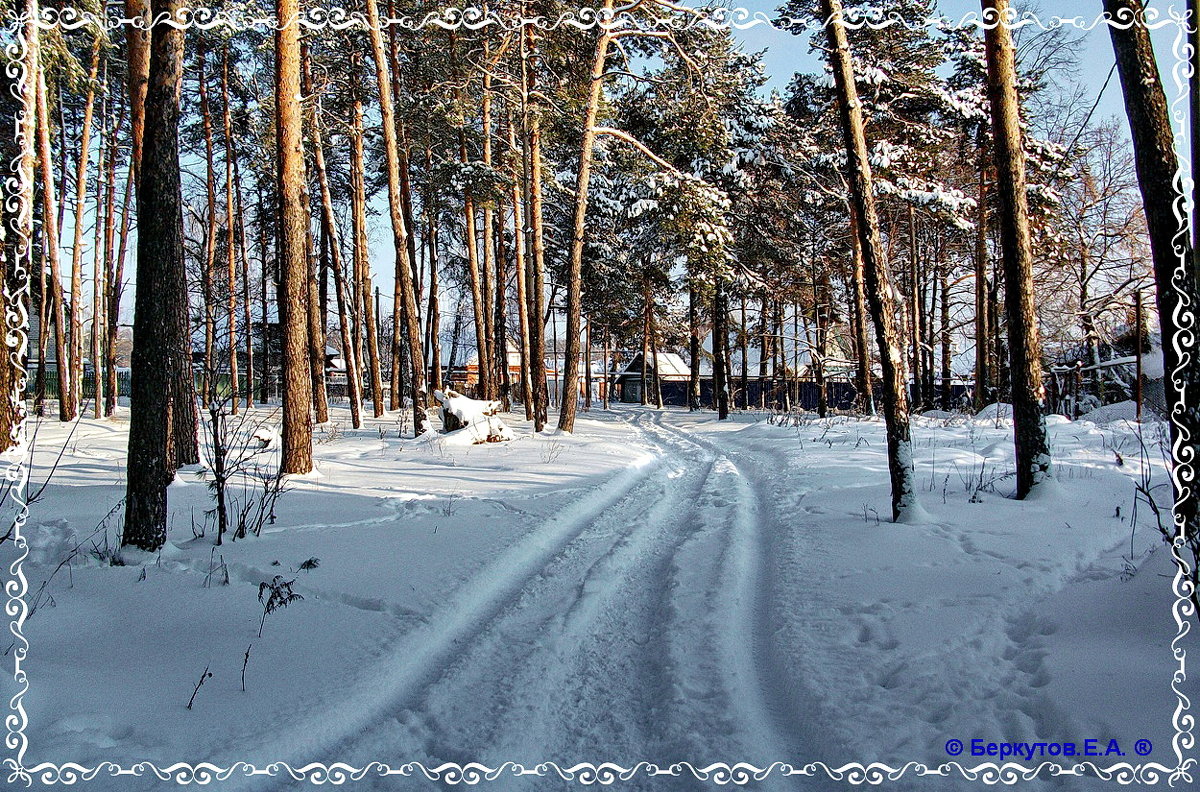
(1024,347)
(490,274)
(765,351)
(316,340)
(879,286)
(645,383)
(329,224)
(863,381)
(566,417)
(693,347)
(743,350)
(159,263)
(982,335)
(208,387)
(1177,289)
(102,251)
(404,281)
(247,319)
(499,331)
(231,235)
(362,268)
(74,322)
(522,291)
(531,107)
(265,378)
(914,312)
(433,315)
(116,288)
(720,358)
(947,373)
(50,236)
(292,252)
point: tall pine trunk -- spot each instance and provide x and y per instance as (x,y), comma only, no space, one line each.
(75,320)
(207,275)
(362,269)
(982,343)
(159,264)
(404,280)
(878,279)
(536,286)
(1177,289)
(863,380)
(292,250)
(570,383)
(50,238)
(1024,346)
(520,278)
(231,224)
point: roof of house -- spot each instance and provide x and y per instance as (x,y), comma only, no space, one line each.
(670,365)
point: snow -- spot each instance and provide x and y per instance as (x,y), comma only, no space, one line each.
(658,586)
(1118,411)
(479,421)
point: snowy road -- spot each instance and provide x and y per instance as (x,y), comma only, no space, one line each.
(625,629)
(661,588)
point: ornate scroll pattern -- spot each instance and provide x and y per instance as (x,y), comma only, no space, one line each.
(1185,341)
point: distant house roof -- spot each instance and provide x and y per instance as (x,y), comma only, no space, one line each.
(670,366)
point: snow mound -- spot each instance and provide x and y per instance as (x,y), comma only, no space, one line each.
(996,410)
(470,421)
(1120,411)
(268,438)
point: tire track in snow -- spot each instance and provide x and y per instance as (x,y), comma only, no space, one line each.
(421,657)
(576,661)
(717,584)
(603,658)
(804,722)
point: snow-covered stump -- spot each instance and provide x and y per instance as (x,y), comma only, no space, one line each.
(472,418)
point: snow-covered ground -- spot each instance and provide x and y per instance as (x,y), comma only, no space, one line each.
(659,587)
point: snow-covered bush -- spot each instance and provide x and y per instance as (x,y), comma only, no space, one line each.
(472,419)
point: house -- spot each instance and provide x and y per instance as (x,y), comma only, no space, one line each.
(672,374)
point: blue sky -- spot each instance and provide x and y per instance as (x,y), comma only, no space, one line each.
(786,54)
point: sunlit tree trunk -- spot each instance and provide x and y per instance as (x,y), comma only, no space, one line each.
(1024,345)
(316,340)
(247,319)
(292,250)
(231,224)
(1177,290)
(208,274)
(878,279)
(570,388)
(404,281)
(982,378)
(75,318)
(520,278)
(362,268)
(50,237)
(536,289)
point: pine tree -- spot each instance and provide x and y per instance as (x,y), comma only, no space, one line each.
(1177,290)
(159,264)
(293,247)
(1028,393)
(879,286)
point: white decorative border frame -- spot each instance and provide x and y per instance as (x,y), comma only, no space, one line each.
(1186,341)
